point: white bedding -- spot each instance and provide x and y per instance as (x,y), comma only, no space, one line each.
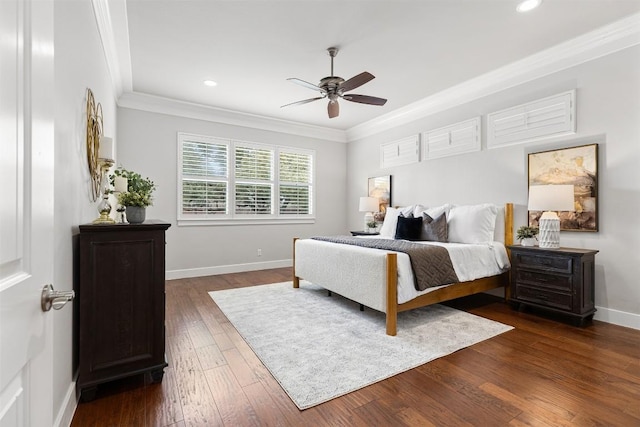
(470,261)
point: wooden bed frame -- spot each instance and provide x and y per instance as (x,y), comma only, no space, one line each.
(447,293)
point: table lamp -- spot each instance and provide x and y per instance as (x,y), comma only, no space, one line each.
(368,205)
(550,199)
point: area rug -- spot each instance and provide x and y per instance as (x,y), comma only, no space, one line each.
(320,347)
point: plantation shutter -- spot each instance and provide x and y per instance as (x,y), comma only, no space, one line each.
(253,180)
(459,138)
(544,118)
(401,152)
(295,182)
(204,176)
(226,182)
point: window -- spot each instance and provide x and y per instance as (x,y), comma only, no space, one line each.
(223,181)
(254,180)
(295,182)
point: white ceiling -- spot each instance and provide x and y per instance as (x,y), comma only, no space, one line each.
(414,48)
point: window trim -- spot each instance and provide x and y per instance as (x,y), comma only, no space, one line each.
(231,218)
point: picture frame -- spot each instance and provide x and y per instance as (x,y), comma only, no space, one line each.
(380,187)
(577,166)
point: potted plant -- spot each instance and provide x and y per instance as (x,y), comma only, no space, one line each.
(527,235)
(372,226)
(138,194)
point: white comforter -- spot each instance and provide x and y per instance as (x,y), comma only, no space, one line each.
(470,261)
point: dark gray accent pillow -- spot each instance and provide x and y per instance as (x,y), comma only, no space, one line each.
(408,228)
(434,230)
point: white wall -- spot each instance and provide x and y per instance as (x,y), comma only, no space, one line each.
(147,144)
(608,113)
(79,64)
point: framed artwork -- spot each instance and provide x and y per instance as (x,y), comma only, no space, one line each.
(577,166)
(380,187)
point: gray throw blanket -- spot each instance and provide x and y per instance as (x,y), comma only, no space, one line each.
(431,264)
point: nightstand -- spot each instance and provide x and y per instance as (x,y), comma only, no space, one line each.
(557,280)
(364,233)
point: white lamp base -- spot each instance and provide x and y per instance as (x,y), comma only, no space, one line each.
(368,217)
(549,230)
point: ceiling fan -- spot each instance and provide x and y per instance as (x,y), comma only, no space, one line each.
(334,87)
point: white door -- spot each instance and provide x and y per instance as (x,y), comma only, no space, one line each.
(26,211)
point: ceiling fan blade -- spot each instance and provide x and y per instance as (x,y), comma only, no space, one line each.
(304,101)
(305,84)
(365,99)
(334,109)
(356,81)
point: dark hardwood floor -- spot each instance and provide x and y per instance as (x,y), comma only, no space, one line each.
(542,373)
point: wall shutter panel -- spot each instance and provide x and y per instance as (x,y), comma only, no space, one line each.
(544,118)
(401,152)
(463,137)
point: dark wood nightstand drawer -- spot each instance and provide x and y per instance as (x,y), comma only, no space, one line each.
(558,282)
(560,264)
(543,297)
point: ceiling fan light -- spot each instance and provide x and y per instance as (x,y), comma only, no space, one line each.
(333,108)
(527,5)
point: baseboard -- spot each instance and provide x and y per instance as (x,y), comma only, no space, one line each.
(609,315)
(226,269)
(617,317)
(68,408)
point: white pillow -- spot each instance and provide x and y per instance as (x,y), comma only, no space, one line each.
(390,223)
(433,212)
(472,223)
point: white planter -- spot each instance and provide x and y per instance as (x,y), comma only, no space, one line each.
(528,241)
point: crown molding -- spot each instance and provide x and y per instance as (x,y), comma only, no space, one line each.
(157,104)
(111,18)
(113,27)
(595,44)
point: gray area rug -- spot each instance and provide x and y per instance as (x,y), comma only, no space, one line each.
(320,347)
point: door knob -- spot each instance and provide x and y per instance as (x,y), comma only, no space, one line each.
(56,299)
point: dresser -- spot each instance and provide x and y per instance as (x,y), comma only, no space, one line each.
(556,280)
(121,303)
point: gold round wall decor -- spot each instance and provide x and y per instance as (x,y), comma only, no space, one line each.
(94,131)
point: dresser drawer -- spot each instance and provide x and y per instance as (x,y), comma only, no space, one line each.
(542,262)
(543,297)
(558,282)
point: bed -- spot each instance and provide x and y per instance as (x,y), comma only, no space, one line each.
(382,279)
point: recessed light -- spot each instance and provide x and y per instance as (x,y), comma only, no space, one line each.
(210,83)
(527,5)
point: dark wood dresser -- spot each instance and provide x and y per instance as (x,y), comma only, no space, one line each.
(557,280)
(121,303)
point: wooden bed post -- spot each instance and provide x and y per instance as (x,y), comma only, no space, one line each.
(296,279)
(508,224)
(508,240)
(392,293)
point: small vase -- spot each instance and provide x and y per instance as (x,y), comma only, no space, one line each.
(136,214)
(528,241)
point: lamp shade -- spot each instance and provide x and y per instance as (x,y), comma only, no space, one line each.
(551,198)
(368,204)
